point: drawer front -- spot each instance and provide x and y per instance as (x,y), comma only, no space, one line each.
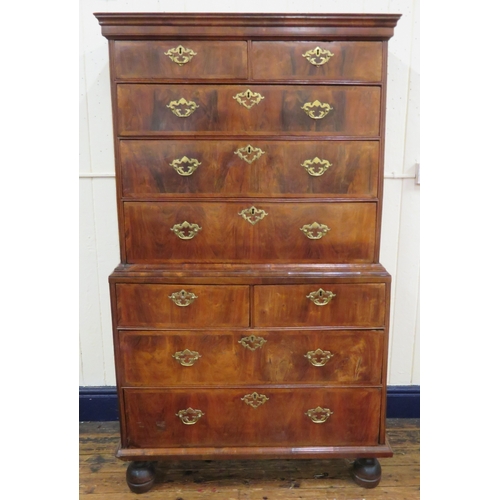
(227,232)
(180,59)
(313,110)
(250,168)
(251,357)
(345,61)
(353,305)
(164,306)
(222,418)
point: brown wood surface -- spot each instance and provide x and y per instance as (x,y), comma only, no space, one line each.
(357,305)
(147,357)
(213,59)
(226,237)
(146,168)
(151,419)
(102,476)
(149,305)
(143,109)
(351,61)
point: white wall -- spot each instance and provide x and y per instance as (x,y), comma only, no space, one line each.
(400,246)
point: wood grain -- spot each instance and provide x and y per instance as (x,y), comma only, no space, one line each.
(147,357)
(147,170)
(143,109)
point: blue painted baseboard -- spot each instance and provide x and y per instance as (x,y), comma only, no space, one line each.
(100,404)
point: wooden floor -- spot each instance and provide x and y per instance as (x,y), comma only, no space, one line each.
(102,476)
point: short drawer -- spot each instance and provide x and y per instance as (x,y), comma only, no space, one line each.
(251,231)
(153,358)
(178,59)
(232,109)
(181,306)
(253,416)
(352,305)
(250,168)
(342,61)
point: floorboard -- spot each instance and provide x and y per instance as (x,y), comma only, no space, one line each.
(102,476)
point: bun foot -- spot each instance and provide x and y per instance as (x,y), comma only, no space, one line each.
(140,476)
(366,472)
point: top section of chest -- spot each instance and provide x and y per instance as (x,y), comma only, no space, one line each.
(250,47)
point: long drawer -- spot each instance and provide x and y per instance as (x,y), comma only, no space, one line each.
(181,306)
(276,109)
(224,232)
(253,417)
(158,358)
(249,168)
(353,305)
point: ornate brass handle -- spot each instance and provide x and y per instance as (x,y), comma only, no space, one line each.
(316,167)
(315,231)
(321,297)
(180,55)
(189,416)
(186,357)
(316,110)
(252,342)
(185,166)
(318,357)
(249,153)
(319,415)
(253,215)
(255,400)
(182,108)
(318,56)
(248,98)
(182,298)
(186,230)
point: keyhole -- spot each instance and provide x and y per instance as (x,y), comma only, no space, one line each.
(183,293)
(249,149)
(180,51)
(321,293)
(253,211)
(317,51)
(248,94)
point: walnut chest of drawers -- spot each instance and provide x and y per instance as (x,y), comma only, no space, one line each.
(250,310)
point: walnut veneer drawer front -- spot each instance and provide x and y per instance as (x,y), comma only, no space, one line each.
(249,168)
(251,357)
(269,416)
(311,109)
(347,61)
(180,306)
(180,59)
(355,305)
(249,231)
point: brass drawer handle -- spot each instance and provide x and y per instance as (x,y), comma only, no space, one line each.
(249,153)
(315,231)
(185,166)
(316,110)
(255,400)
(253,215)
(316,167)
(186,357)
(319,415)
(318,357)
(321,297)
(182,298)
(318,56)
(189,416)
(252,342)
(186,230)
(180,55)
(182,108)
(248,98)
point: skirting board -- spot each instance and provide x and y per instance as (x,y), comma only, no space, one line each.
(100,404)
